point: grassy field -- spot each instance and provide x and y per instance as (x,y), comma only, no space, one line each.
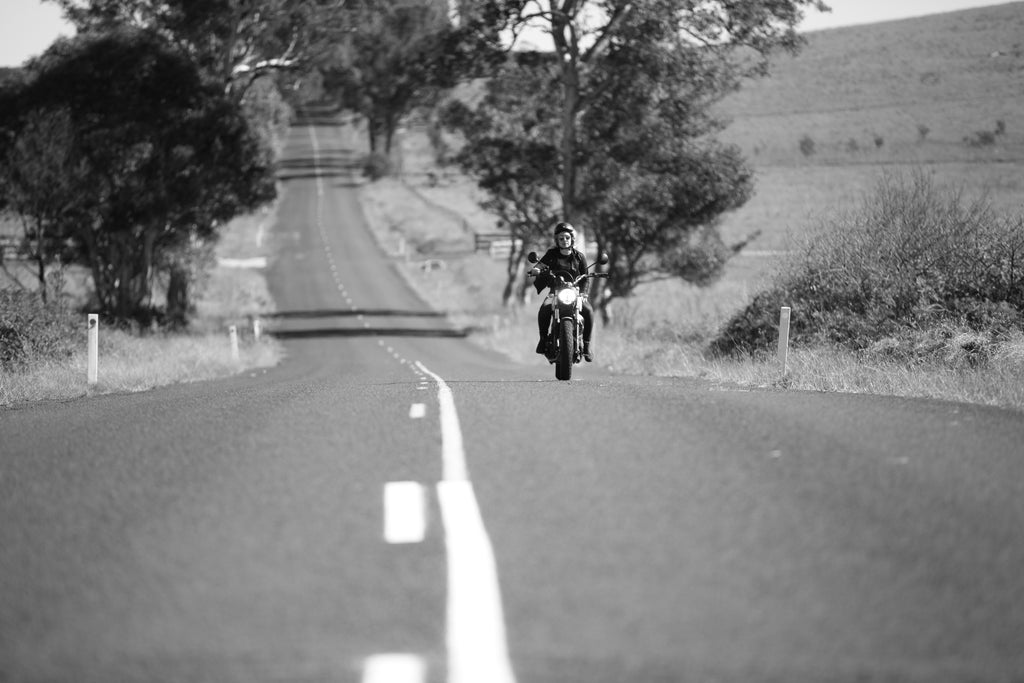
(884,97)
(874,99)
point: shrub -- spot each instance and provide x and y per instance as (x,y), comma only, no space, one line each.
(31,331)
(376,166)
(807,145)
(914,257)
(981,138)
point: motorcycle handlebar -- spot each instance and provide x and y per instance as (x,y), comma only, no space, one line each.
(562,275)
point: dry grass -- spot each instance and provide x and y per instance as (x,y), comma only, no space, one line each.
(132,363)
(873,98)
(662,330)
(129,363)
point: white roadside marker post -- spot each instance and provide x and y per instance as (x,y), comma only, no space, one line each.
(784,338)
(257,328)
(94,349)
(233,333)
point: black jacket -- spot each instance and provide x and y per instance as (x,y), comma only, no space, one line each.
(575,263)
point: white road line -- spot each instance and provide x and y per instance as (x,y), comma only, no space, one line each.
(394,668)
(405,512)
(451,434)
(477,645)
(417,410)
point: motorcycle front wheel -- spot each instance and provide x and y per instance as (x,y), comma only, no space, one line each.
(566,349)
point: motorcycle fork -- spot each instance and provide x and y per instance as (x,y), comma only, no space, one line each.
(556,318)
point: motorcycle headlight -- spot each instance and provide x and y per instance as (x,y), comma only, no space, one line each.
(566,296)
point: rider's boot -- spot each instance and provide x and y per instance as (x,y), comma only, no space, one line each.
(542,346)
(588,353)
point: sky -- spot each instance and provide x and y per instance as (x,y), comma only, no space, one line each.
(28,27)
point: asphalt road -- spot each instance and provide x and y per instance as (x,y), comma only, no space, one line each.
(393,504)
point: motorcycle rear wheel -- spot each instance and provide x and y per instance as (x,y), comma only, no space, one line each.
(566,349)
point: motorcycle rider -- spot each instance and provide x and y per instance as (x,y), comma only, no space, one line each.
(563,256)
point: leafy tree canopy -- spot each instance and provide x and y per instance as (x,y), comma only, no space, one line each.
(621,109)
(161,156)
(232,42)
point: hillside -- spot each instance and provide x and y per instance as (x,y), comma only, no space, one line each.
(944,91)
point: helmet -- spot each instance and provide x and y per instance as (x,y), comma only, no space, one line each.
(565,227)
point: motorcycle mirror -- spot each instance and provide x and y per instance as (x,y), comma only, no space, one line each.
(532,257)
(602,259)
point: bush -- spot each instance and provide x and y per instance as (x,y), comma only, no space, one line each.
(31,331)
(807,145)
(376,166)
(982,138)
(914,258)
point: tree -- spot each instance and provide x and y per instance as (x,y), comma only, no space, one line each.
(163,157)
(633,84)
(389,62)
(232,42)
(40,172)
(511,148)
(740,35)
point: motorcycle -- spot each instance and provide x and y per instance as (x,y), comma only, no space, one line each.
(565,339)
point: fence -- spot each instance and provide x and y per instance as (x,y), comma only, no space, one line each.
(496,244)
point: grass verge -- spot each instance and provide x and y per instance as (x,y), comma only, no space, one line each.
(131,363)
(664,329)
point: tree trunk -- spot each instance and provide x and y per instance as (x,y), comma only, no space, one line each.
(568,54)
(41,274)
(177,298)
(571,92)
(513,276)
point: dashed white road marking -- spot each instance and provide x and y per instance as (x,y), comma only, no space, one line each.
(476,639)
(477,645)
(405,512)
(394,668)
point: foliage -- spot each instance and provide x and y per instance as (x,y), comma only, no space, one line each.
(232,42)
(807,145)
(160,157)
(396,57)
(725,41)
(916,266)
(376,166)
(38,174)
(981,138)
(511,149)
(31,331)
(268,114)
(616,125)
